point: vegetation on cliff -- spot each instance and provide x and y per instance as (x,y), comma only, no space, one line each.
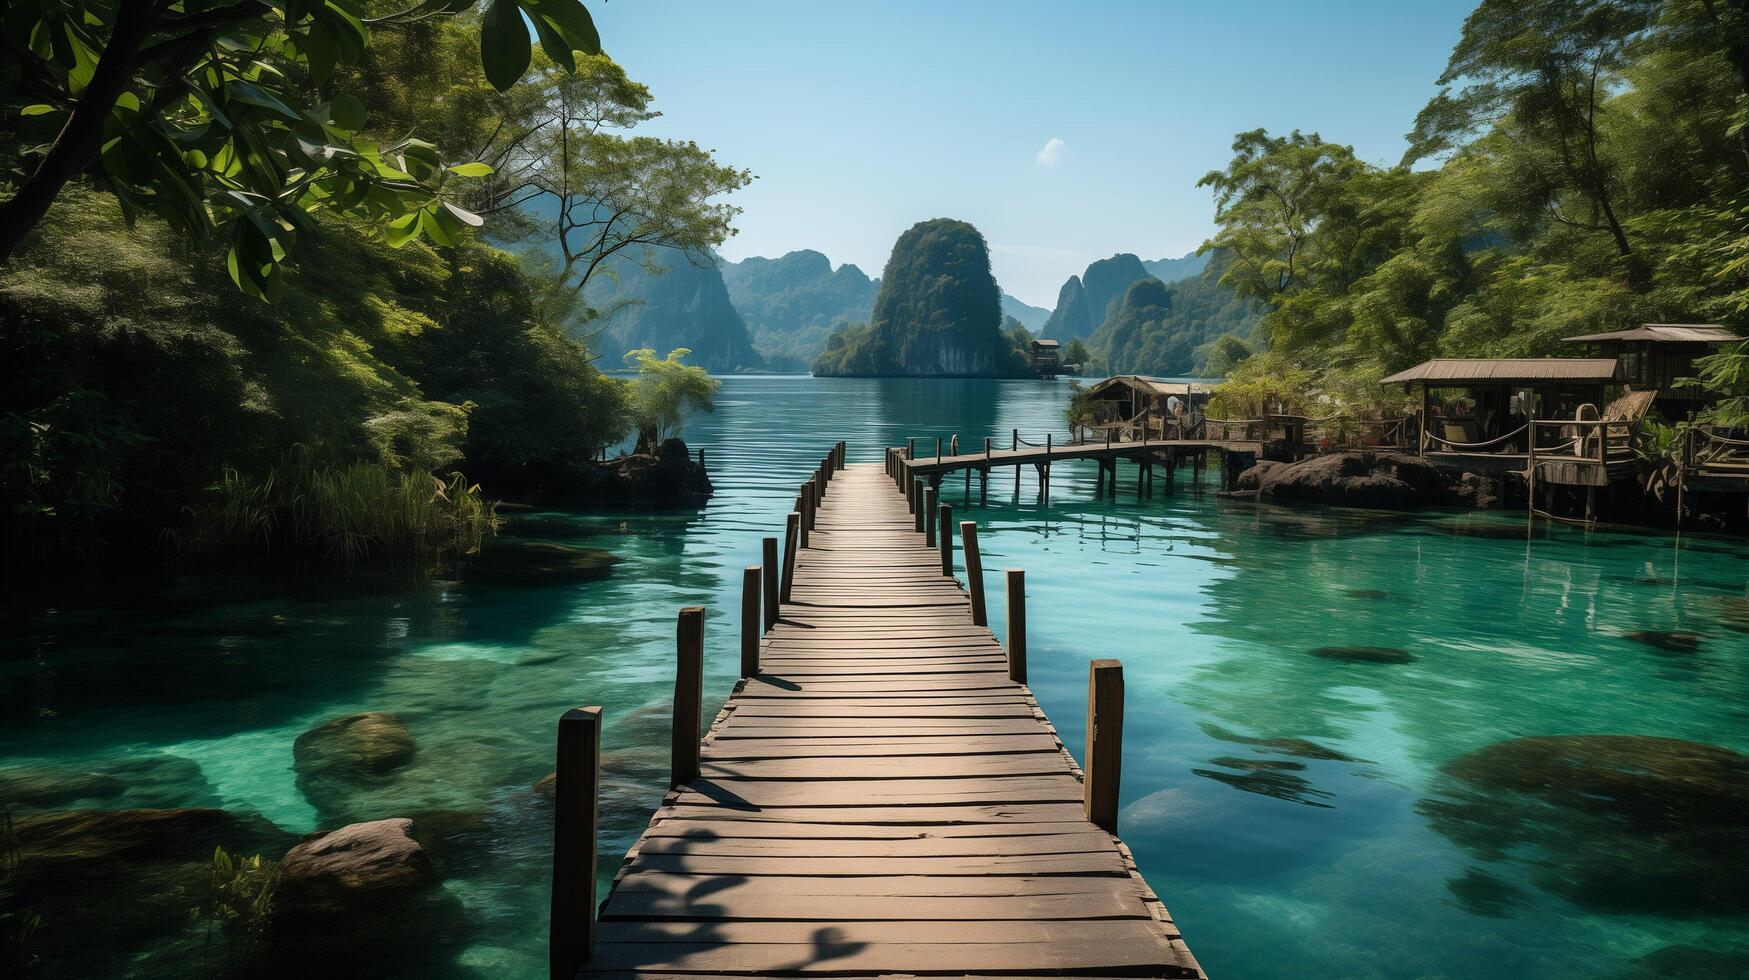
(939,312)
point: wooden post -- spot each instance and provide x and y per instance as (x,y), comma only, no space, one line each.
(688,696)
(768,556)
(791,528)
(928,508)
(938,449)
(1530,477)
(911,493)
(911,448)
(1017,625)
(750,620)
(576,816)
(974,572)
(1014,441)
(807,511)
(1104,742)
(919,514)
(946,539)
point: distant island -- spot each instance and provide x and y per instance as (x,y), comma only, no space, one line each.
(938,314)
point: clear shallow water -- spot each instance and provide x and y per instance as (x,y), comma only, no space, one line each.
(1294,810)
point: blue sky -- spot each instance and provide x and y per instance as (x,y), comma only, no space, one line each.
(861,119)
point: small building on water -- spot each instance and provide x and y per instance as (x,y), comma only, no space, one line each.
(1047,358)
(1124,403)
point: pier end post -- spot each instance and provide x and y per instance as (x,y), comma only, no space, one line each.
(576,817)
(1017,625)
(928,508)
(688,696)
(1104,742)
(974,572)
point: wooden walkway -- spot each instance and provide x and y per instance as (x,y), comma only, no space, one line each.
(880,798)
(929,465)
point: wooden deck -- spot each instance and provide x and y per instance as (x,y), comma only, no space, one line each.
(880,798)
(934,466)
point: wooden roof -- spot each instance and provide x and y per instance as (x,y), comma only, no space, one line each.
(1669,333)
(1151,386)
(1473,370)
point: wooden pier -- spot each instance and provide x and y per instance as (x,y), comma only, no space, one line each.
(880,795)
(1148,454)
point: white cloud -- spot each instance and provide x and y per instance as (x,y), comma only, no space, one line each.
(1051,153)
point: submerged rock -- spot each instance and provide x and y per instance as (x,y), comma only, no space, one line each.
(511,561)
(1480,893)
(1364,655)
(147,781)
(1615,823)
(371,743)
(113,884)
(1275,778)
(1299,747)
(1675,641)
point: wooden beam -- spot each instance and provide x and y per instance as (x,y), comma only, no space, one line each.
(576,816)
(688,696)
(1017,625)
(1104,742)
(974,571)
(768,557)
(750,620)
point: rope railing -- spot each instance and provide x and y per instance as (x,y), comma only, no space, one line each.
(1454,444)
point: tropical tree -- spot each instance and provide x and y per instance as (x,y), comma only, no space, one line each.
(212,113)
(665,392)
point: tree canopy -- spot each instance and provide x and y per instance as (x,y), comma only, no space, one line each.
(219,116)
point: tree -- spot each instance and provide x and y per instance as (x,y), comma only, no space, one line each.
(211,114)
(1225,353)
(1076,352)
(665,392)
(1539,71)
(567,139)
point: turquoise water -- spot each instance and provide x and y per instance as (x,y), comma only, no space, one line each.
(1301,687)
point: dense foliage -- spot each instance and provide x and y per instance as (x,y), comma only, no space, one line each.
(153,410)
(219,116)
(938,312)
(1592,173)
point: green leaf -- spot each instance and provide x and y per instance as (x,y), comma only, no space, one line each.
(37,110)
(556,47)
(347,113)
(475,169)
(402,230)
(504,46)
(463,215)
(571,19)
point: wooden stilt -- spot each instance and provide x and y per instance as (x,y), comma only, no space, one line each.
(576,819)
(1104,743)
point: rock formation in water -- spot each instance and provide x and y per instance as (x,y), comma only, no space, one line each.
(938,313)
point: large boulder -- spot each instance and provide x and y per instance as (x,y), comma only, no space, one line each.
(1358,479)
(669,474)
(355,867)
(365,895)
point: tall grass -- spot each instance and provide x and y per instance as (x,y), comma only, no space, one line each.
(342,512)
